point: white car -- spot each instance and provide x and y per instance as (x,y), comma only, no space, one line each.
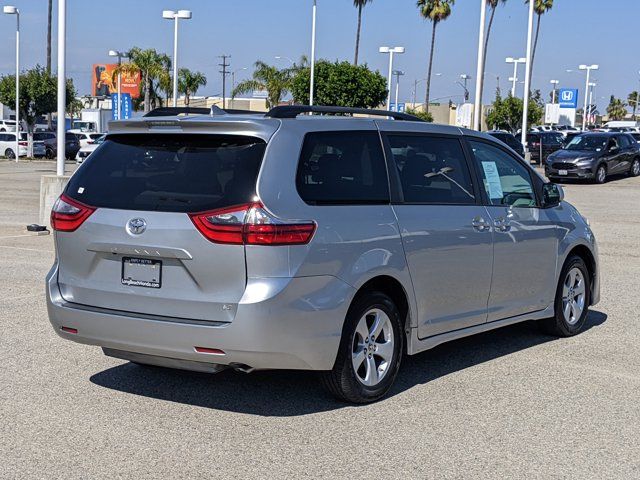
(85,151)
(87,138)
(7,125)
(8,145)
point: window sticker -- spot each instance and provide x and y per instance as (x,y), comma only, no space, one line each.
(81,190)
(493,180)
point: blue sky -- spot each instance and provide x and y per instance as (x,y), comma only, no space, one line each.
(572,33)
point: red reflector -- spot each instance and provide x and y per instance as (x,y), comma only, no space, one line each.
(69,330)
(209,351)
(68,214)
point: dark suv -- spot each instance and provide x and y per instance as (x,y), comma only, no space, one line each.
(72,144)
(543,144)
(509,139)
(595,156)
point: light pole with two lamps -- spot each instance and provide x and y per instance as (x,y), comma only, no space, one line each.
(176,16)
(120,55)
(514,79)
(588,68)
(398,74)
(390,51)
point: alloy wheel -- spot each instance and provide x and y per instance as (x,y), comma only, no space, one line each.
(602,174)
(373,346)
(635,168)
(573,296)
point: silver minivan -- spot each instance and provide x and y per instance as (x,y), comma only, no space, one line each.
(317,242)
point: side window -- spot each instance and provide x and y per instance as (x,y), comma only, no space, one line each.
(624,141)
(431,169)
(342,168)
(613,143)
(506,181)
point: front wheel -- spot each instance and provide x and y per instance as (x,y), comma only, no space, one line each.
(573,297)
(634,171)
(601,174)
(370,350)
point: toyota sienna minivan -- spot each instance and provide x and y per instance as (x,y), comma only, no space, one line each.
(290,240)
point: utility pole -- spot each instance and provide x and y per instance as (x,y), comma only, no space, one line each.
(224,73)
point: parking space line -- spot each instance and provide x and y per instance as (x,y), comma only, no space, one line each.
(27,249)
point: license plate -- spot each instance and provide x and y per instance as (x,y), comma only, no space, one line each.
(563,172)
(141,272)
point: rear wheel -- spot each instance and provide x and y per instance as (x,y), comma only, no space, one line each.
(573,297)
(601,174)
(9,153)
(370,350)
(49,154)
(634,171)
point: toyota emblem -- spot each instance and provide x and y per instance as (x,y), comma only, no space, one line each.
(136,226)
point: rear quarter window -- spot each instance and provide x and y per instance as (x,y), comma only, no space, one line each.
(169,172)
(337,168)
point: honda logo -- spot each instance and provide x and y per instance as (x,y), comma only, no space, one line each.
(567,95)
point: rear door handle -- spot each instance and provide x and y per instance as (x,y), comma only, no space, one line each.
(502,224)
(480,224)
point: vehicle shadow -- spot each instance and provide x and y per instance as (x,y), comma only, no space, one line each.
(293,393)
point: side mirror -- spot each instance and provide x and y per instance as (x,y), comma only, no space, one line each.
(552,194)
(613,149)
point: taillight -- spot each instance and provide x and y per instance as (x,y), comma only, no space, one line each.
(67,214)
(23,144)
(250,224)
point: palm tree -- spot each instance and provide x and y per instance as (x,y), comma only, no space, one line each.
(165,84)
(151,65)
(359,4)
(540,7)
(435,11)
(617,109)
(633,101)
(267,77)
(492,4)
(189,82)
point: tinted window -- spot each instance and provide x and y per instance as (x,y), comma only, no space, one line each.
(431,169)
(624,141)
(342,168)
(506,181)
(71,137)
(169,172)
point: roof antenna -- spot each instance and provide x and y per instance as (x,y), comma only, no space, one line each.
(216,110)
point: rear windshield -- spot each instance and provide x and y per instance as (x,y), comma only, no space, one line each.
(169,172)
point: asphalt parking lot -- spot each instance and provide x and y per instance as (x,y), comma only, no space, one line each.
(512,403)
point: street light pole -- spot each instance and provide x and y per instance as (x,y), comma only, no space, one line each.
(588,68)
(390,51)
(11,10)
(553,92)
(175,16)
(62,87)
(480,68)
(527,75)
(592,86)
(514,79)
(398,74)
(313,53)
(120,55)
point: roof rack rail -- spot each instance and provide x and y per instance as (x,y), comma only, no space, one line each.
(292,111)
(173,111)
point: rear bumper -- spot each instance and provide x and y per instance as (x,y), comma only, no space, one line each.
(280,323)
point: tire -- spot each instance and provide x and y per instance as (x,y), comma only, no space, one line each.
(601,174)
(578,289)
(634,170)
(349,380)
(49,154)
(9,154)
